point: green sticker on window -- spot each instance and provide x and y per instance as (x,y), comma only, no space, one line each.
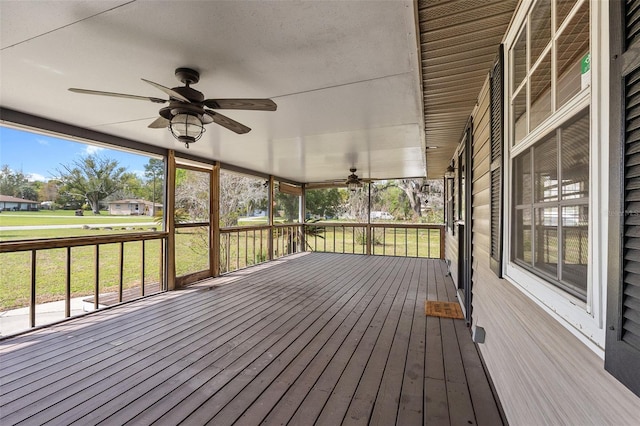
(585,64)
(585,71)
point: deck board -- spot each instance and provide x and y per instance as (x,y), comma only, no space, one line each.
(314,338)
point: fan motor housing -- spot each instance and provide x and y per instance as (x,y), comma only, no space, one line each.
(187,75)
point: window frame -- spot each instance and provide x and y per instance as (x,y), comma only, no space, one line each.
(583,319)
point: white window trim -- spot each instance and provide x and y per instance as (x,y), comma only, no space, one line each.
(584,320)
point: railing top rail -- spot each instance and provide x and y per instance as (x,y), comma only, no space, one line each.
(378,225)
(242,228)
(191,224)
(286,225)
(229,229)
(52,243)
(338,224)
(407,225)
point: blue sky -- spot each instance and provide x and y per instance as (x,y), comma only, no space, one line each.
(39,156)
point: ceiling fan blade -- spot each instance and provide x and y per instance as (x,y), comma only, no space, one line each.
(170,92)
(117,95)
(230,124)
(159,123)
(248,104)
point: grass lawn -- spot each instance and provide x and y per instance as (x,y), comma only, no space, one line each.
(65,217)
(15,275)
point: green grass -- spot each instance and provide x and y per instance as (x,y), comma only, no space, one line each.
(15,275)
(75,232)
(65,217)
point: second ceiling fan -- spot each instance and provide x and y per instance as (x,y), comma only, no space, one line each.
(188,110)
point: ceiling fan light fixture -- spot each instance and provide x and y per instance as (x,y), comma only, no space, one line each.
(353,182)
(353,186)
(186,128)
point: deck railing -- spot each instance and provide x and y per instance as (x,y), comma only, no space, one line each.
(385,239)
(112,274)
(242,246)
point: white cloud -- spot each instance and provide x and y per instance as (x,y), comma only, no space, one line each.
(91,149)
(139,173)
(42,141)
(33,177)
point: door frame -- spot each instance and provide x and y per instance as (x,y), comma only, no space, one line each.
(465,223)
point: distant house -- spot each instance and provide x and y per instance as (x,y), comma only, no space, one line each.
(134,207)
(9,203)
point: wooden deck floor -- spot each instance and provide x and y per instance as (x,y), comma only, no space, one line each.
(314,338)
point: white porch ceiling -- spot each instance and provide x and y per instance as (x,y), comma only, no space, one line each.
(346,77)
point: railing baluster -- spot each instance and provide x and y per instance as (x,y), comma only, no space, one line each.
(353,239)
(97,278)
(246,249)
(406,243)
(333,231)
(366,243)
(324,244)
(121,283)
(384,240)
(255,260)
(229,249)
(238,250)
(395,232)
(142,271)
(161,266)
(343,232)
(417,241)
(67,290)
(32,301)
(372,232)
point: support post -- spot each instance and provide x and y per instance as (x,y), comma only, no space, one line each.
(271,205)
(214,223)
(169,219)
(368,236)
(302,217)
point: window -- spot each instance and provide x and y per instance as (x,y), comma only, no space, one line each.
(551,193)
(550,135)
(537,92)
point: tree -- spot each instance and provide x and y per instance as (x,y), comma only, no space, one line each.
(49,191)
(323,202)
(393,200)
(238,195)
(357,204)
(413,189)
(192,195)
(12,183)
(92,177)
(154,172)
(131,187)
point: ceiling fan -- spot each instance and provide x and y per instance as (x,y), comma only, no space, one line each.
(187,112)
(353,182)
